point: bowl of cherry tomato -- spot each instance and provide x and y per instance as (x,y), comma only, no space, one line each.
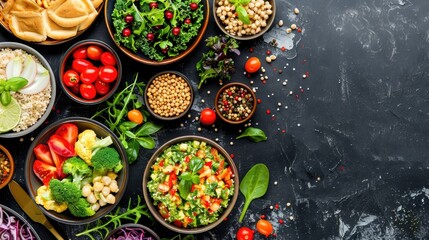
(90,72)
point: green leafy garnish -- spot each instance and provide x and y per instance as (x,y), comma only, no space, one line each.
(240,10)
(254,185)
(189,178)
(115,219)
(254,134)
(6,86)
(131,135)
(217,62)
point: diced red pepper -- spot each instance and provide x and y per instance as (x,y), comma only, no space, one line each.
(172,180)
(163,210)
(187,159)
(161,163)
(178,223)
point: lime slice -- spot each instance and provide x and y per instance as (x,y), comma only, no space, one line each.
(9,115)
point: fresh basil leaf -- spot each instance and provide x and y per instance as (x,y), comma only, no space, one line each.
(5,98)
(132,151)
(130,134)
(195,179)
(196,164)
(185,188)
(254,134)
(185,176)
(146,142)
(244,2)
(148,128)
(128,125)
(16,83)
(242,14)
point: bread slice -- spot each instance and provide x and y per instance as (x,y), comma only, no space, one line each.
(92,14)
(28,26)
(96,3)
(68,13)
(57,32)
(20,6)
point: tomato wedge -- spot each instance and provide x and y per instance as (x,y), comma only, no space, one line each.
(69,132)
(58,161)
(45,172)
(61,146)
(42,153)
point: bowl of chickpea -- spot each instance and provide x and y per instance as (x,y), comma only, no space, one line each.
(169,95)
(229,18)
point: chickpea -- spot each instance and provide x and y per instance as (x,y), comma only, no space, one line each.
(106,180)
(91,198)
(102,203)
(98,186)
(114,186)
(86,190)
(95,206)
(105,191)
(110,199)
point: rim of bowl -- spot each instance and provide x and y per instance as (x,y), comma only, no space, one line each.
(148,198)
(66,57)
(247,37)
(44,62)
(134,225)
(241,85)
(22,219)
(147,102)
(28,171)
(166,61)
(12,166)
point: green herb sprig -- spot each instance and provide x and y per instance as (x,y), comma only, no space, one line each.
(115,220)
(12,84)
(254,134)
(254,185)
(217,62)
(240,10)
(131,135)
(189,178)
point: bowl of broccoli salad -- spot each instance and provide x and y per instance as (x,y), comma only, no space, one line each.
(190,184)
(76,170)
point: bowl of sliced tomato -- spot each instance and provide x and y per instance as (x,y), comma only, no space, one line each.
(90,72)
(76,170)
(190,184)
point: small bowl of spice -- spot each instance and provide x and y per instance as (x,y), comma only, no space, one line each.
(168,95)
(7,166)
(235,103)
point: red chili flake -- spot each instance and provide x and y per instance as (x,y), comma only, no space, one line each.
(53,108)
(299,30)
(341,168)
(259,101)
(281,221)
(302,89)
(304,61)
(268,111)
(262,216)
(273,118)
(296,96)
(231,155)
(275,69)
(307,74)
(263,81)
(251,49)
(274,235)
(276,206)
(225,219)
(283,131)
(248,75)
(268,52)
(283,49)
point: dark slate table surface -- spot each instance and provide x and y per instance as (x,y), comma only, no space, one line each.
(348,149)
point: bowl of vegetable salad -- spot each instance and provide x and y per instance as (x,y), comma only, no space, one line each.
(157,32)
(190,184)
(76,170)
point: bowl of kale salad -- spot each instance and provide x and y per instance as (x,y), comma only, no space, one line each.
(157,32)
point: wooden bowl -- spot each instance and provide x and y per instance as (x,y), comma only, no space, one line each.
(8,156)
(269,22)
(219,103)
(139,56)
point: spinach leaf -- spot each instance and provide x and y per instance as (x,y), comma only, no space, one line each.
(254,134)
(254,185)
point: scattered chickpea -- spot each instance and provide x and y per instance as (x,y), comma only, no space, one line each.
(280,23)
(293,26)
(268,59)
(273,57)
(169,95)
(296,11)
(288,30)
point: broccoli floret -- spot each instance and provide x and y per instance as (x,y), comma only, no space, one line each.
(64,191)
(88,144)
(78,169)
(106,159)
(81,208)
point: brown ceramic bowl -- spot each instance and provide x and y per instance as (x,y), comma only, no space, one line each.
(142,58)
(147,232)
(33,182)
(151,99)
(229,94)
(5,155)
(66,64)
(234,181)
(222,26)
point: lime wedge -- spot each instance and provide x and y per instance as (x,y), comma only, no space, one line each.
(9,115)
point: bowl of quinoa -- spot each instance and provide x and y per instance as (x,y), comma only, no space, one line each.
(261,15)
(35,108)
(168,95)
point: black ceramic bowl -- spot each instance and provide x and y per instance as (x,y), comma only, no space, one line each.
(153,100)
(154,209)
(33,183)
(126,228)
(67,63)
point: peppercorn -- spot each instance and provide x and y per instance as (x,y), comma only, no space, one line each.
(4,167)
(235,103)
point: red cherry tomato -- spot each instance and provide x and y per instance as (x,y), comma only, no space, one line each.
(71,78)
(150,36)
(264,227)
(89,75)
(188,21)
(126,32)
(168,15)
(207,116)
(108,74)
(252,65)
(129,18)
(175,31)
(80,52)
(75,89)
(153,5)
(107,59)
(102,88)
(87,91)
(94,52)
(245,233)
(193,6)
(79,65)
